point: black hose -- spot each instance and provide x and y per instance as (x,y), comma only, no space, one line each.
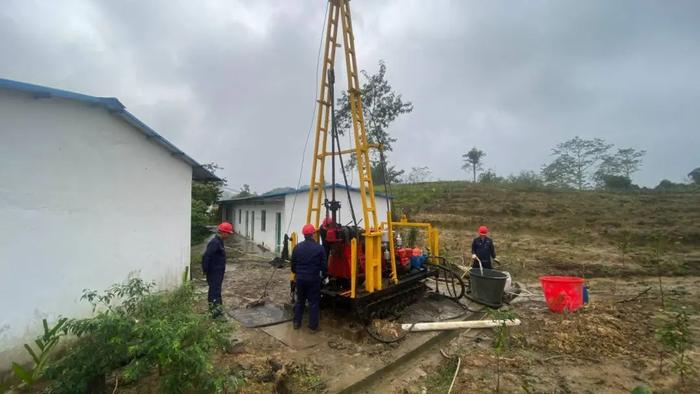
(335,139)
(454,294)
(345,178)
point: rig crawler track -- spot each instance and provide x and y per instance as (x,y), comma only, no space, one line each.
(393,299)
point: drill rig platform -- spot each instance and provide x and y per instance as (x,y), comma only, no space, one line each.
(368,271)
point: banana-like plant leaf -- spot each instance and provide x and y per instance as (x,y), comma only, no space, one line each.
(46,327)
(22,373)
(58,326)
(31,353)
(40,344)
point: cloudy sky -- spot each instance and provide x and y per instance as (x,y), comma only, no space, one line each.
(234,82)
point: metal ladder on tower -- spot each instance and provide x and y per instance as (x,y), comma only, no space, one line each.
(339,10)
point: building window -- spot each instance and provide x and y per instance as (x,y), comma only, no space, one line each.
(262,220)
(239,216)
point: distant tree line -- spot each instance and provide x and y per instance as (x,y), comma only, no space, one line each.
(584,163)
(578,164)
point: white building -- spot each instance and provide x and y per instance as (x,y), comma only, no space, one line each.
(266,218)
(88,195)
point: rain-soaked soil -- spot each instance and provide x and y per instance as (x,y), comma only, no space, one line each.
(608,346)
(338,356)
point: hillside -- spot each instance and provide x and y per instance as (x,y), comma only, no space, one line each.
(544,231)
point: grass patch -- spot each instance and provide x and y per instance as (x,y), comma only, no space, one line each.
(441,378)
(304,380)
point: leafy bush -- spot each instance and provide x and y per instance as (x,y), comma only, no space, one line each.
(136,333)
(527,179)
(668,186)
(617,182)
(490,177)
(200,220)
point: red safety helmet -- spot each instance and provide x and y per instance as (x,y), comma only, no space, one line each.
(483,230)
(225,227)
(308,229)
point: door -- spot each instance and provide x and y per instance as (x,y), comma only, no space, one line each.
(247,232)
(278,232)
(252,225)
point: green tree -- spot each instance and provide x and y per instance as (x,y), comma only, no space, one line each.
(560,172)
(630,160)
(695,176)
(575,160)
(380,177)
(381,106)
(245,191)
(205,194)
(620,165)
(418,174)
(473,160)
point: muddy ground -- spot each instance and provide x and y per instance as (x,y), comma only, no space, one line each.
(608,346)
(341,354)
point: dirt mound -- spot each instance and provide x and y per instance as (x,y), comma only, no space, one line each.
(603,329)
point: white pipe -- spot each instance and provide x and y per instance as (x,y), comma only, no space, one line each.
(455,325)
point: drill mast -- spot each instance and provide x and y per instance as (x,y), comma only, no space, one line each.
(339,11)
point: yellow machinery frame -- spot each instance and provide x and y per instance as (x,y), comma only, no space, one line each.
(339,10)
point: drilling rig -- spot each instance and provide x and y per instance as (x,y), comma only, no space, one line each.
(368,271)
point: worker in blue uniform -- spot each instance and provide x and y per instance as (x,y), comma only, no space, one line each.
(214,267)
(482,247)
(309,267)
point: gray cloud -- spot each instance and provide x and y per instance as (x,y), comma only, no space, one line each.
(234,82)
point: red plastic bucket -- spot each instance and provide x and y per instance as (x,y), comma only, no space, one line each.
(562,292)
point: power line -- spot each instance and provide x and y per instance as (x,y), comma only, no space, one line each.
(311,124)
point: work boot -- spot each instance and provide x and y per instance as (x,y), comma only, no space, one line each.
(314,330)
(297,326)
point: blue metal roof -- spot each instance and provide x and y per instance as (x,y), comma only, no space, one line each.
(291,190)
(115,107)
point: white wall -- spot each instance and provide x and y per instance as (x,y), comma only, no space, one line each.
(298,218)
(85,199)
(271,208)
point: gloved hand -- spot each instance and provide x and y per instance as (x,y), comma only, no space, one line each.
(325,280)
(473,257)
